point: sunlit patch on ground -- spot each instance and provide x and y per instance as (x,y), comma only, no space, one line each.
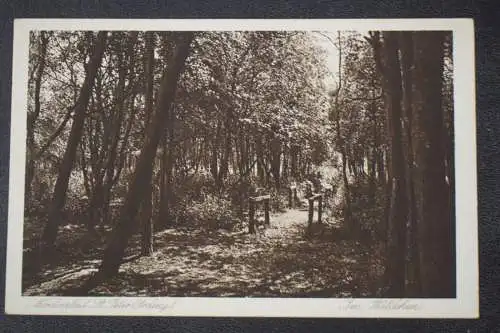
(280,260)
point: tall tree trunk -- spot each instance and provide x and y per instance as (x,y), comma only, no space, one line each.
(147,207)
(169,168)
(437,230)
(407,64)
(398,215)
(95,205)
(275,152)
(226,154)
(214,157)
(286,155)
(342,147)
(33,116)
(113,154)
(147,222)
(294,163)
(261,167)
(141,179)
(163,202)
(61,186)
(373,154)
(121,156)
(381,170)
(345,181)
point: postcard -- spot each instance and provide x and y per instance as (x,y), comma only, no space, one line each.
(257,167)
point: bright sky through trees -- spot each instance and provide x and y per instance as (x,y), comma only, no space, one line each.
(332,54)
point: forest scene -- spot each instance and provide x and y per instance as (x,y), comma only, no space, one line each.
(240,164)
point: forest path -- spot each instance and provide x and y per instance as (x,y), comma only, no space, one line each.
(280,260)
(288,223)
(289,218)
(298,216)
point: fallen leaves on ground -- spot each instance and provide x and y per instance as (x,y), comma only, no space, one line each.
(282,260)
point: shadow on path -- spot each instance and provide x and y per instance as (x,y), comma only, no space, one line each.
(278,261)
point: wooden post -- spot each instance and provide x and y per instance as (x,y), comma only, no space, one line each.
(308,189)
(252,207)
(266,212)
(292,195)
(251,215)
(311,212)
(320,207)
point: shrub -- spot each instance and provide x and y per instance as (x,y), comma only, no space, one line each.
(239,192)
(367,212)
(212,212)
(195,186)
(279,200)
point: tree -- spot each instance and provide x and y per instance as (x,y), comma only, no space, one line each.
(108,129)
(437,256)
(398,215)
(407,65)
(419,190)
(341,144)
(59,195)
(147,221)
(33,116)
(141,179)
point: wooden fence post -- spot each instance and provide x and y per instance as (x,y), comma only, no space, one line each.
(252,208)
(311,212)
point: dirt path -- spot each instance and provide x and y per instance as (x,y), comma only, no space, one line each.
(277,261)
(289,218)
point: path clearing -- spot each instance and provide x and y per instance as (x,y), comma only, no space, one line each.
(277,261)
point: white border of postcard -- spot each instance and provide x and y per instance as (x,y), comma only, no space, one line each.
(465,305)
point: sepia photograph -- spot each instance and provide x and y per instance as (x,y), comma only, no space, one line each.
(296,162)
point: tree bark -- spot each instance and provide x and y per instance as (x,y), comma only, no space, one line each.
(343,149)
(169,168)
(286,155)
(113,153)
(147,222)
(61,186)
(294,160)
(261,168)
(407,63)
(437,254)
(275,151)
(147,207)
(398,213)
(33,116)
(141,179)
(373,154)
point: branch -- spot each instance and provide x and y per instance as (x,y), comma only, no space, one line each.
(376,44)
(54,135)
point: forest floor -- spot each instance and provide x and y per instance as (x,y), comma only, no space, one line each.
(281,260)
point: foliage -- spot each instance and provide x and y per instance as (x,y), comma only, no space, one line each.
(251,110)
(279,200)
(211,212)
(368,207)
